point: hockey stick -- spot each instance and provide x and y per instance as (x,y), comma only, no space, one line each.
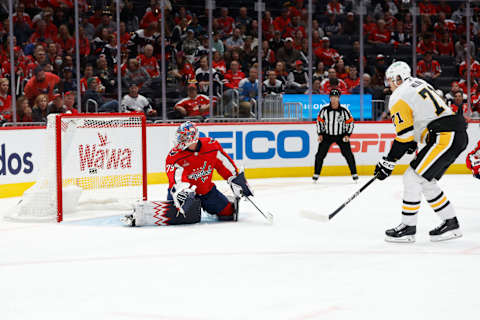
(314,216)
(267,215)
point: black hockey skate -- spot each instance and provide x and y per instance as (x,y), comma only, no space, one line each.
(355,178)
(449,229)
(402,233)
(315,178)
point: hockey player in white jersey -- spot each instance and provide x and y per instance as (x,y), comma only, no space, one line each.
(421,116)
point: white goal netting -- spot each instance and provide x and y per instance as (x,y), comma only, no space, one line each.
(90,162)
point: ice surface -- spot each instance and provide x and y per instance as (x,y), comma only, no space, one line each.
(294,269)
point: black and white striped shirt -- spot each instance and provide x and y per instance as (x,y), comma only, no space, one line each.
(334,122)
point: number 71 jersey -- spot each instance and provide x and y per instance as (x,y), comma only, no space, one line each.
(413,105)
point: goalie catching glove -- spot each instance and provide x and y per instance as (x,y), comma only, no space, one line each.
(183,196)
(240,186)
(384,168)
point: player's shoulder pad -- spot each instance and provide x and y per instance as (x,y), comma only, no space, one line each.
(209,143)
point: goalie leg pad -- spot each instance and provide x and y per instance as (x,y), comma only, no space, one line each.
(215,202)
(164,213)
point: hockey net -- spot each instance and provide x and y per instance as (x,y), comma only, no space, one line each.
(92,162)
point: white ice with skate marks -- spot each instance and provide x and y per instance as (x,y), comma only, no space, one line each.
(293,269)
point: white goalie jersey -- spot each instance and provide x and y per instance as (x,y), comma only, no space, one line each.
(413,105)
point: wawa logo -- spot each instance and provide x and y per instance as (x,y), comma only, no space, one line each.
(201,173)
(101,156)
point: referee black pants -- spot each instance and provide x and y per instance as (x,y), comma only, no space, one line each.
(344,148)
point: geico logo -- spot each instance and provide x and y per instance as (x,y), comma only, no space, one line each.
(361,142)
(14,162)
(263,144)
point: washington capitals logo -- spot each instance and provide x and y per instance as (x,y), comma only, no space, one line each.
(201,173)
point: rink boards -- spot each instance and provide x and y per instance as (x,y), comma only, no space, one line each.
(263,149)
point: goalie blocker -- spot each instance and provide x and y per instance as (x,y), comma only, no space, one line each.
(189,167)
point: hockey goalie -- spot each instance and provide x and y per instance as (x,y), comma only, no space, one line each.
(473,161)
(189,167)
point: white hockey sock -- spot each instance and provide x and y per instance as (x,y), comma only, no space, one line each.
(412,193)
(438,200)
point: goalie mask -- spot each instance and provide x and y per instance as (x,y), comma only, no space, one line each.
(186,135)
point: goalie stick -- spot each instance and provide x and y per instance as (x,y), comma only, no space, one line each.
(314,216)
(267,215)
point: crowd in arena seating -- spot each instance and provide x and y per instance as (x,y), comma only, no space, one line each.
(45,66)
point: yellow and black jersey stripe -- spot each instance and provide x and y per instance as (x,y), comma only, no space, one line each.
(402,117)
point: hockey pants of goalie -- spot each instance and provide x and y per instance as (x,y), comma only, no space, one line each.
(164,213)
(425,170)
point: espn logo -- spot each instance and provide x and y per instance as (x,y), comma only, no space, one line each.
(360,142)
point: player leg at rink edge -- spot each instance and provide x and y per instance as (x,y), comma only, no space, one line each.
(189,167)
(420,115)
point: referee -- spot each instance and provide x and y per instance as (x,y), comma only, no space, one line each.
(334,124)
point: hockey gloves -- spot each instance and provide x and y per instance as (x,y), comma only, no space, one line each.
(477,175)
(183,196)
(240,186)
(384,168)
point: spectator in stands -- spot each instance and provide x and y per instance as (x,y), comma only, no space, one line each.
(105,74)
(152,15)
(342,72)
(317,87)
(281,72)
(235,41)
(399,36)
(379,35)
(350,26)
(67,83)
(100,41)
(332,26)
(429,69)
(297,79)
(56,105)
(106,23)
(218,63)
(41,83)
(269,60)
(87,74)
(426,44)
(190,44)
(64,40)
(272,86)
(458,105)
(42,33)
(243,17)
(294,27)
(24,112)
(69,102)
(93,93)
(353,80)
(183,71)
(5,101)
(288,53)
(22,24)
(218,44)
(450,96)
(320,72)
(136,102)
(149,62)
(232,80)
(445,45)
(39,110)
(136,74)
(281,22)
(194,105)
(142,37)
(202,75)
(276,42)
(332,82)
(326,54)
(248,91)
(226,23)
(367,86)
